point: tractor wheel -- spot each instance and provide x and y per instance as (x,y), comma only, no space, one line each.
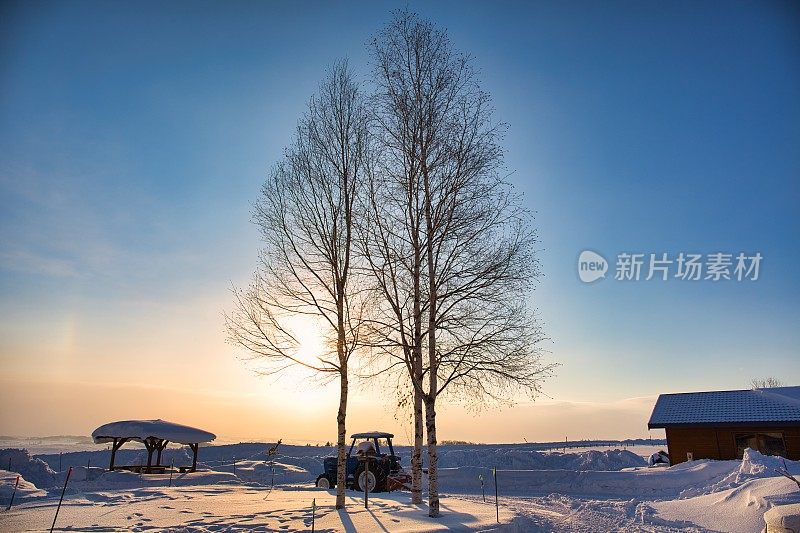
(323,482)
(362,478)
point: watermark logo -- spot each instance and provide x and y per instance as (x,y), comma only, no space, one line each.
(591,266)
(684,266)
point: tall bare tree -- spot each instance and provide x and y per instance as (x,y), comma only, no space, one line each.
(462,257)
(392,244)
(307,266)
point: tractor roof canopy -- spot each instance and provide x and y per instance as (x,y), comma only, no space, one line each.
(372,435)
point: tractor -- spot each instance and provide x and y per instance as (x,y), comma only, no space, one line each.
(373,466)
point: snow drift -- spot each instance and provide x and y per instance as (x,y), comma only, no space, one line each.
(33,470)
(738,501)
(25,490)
(512,459)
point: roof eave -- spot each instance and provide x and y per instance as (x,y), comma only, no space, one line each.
(748,423)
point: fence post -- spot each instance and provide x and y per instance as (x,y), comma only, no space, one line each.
(14,493)
(66,480)
(496,504)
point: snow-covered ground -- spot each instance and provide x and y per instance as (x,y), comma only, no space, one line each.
(503,456)
(726,496)
(596,490)
(211,506)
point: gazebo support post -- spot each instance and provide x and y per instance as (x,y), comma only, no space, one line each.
(194,459)
(151,444)
(161,449)
(116,445)
(113,453)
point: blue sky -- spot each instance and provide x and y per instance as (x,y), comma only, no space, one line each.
(134,136)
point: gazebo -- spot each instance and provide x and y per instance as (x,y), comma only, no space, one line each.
(155,435)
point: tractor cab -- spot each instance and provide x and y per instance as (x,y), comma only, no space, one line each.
(372,444)
(380,443)
(382,473)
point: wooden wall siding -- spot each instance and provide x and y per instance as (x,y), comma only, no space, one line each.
(720,442)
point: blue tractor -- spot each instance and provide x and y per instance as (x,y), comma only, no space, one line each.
(383,471)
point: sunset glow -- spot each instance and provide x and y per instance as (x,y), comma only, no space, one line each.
(135,140)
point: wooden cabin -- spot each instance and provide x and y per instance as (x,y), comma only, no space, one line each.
(722,424)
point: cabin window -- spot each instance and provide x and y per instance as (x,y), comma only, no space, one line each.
(766,443)
(771,444)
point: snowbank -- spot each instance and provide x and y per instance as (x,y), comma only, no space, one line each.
(698,496)
(783,519)
(526,459)
(25,490)
(641,483)
(122,480)
(735,510)
(131,453)
(737,502)
(34,470)
(752,466)
(265,473)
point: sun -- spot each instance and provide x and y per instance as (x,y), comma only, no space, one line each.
(308,332)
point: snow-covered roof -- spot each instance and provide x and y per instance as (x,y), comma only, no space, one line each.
(778,405)
(372,435)
(142,429)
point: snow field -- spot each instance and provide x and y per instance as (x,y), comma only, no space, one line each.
(204,508)
(571,492)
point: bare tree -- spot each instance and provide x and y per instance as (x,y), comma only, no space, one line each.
(766,383)
(392,245)
(461,259)
(307,267)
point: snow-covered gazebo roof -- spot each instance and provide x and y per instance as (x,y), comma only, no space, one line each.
(155,435)
(141,430)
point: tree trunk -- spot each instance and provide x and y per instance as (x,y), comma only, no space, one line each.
(433,472)
(416,379)
(416,455)
(341,460)
(433,364)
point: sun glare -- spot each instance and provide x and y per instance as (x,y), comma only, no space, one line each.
(308,332)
